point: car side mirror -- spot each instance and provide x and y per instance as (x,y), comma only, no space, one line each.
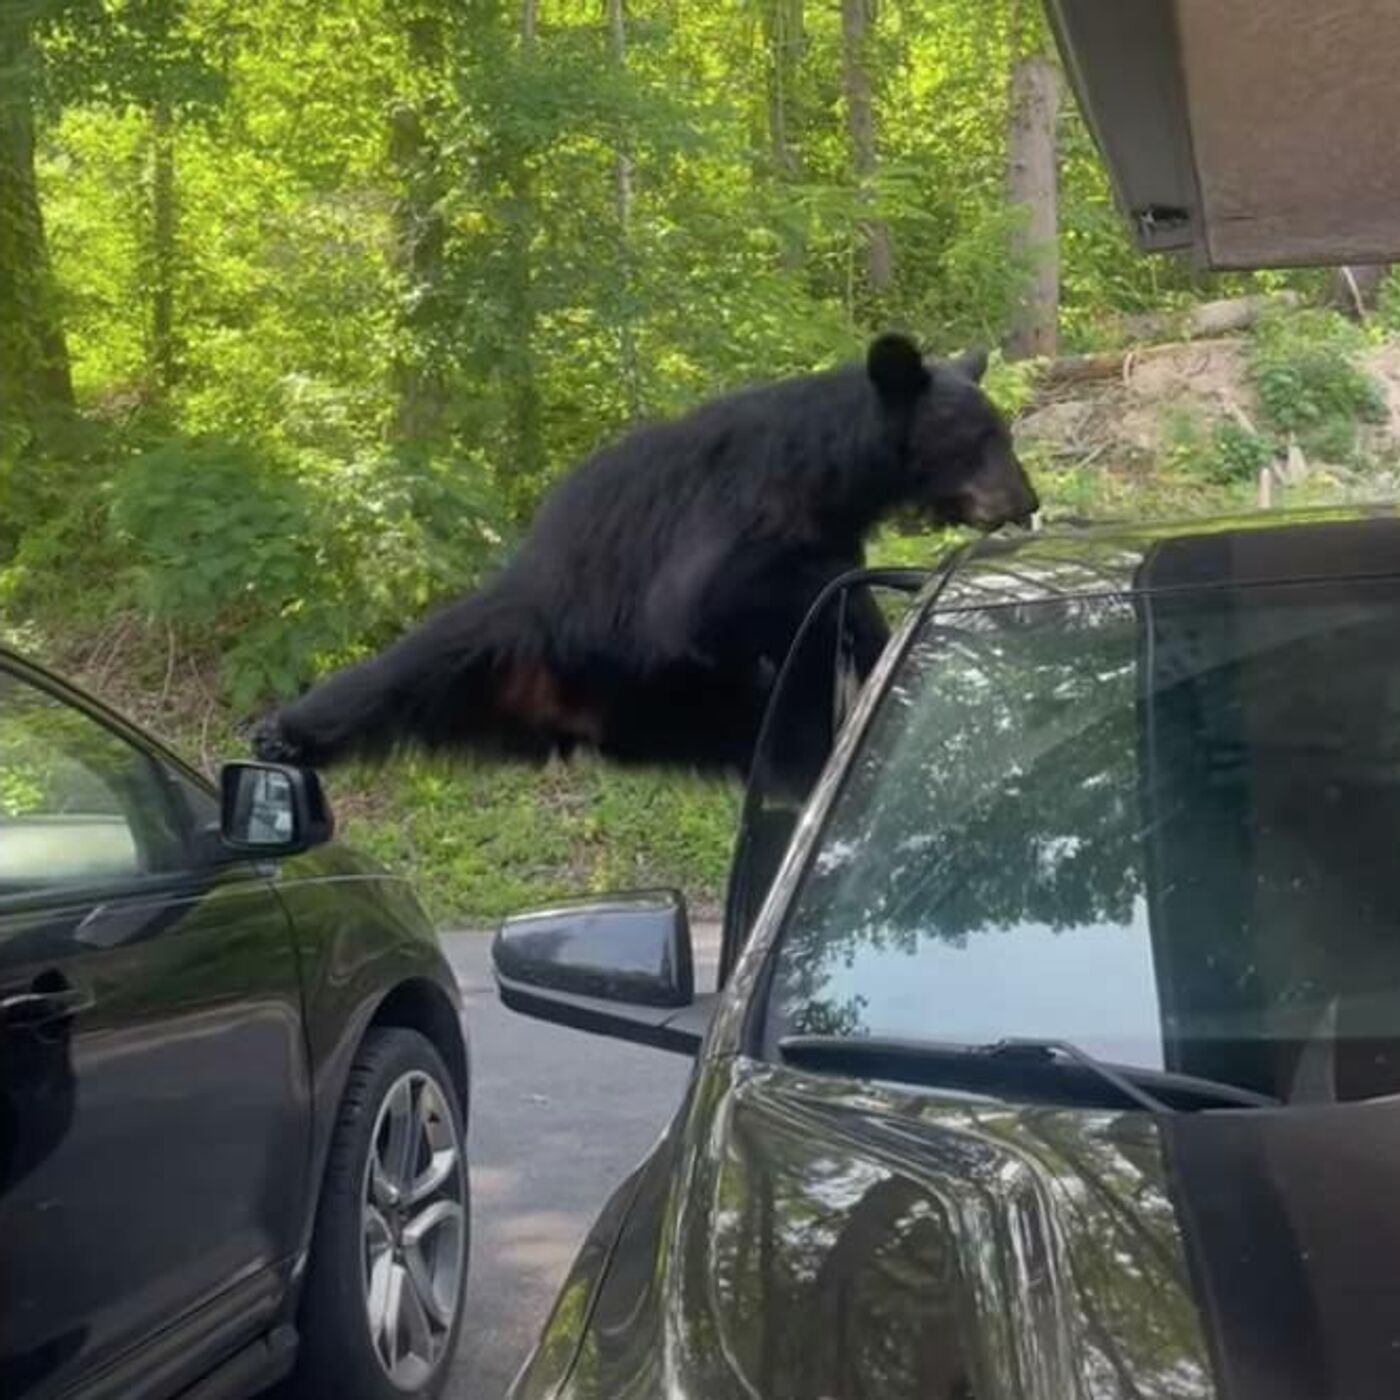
(271,809)
(620,966)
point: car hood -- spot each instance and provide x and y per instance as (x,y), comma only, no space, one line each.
(809,1237)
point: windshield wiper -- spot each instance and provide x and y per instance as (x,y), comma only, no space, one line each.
(1048,1066)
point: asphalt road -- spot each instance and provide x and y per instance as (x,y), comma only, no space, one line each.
(558,1118)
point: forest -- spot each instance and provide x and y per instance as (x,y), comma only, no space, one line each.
(303,306)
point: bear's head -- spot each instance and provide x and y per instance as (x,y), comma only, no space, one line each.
(959,466)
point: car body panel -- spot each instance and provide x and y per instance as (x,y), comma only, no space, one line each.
(814,1236)
(552,1358)
(190,1088)
(1229,552)
(222,1006)
(1255,135)
(361,936)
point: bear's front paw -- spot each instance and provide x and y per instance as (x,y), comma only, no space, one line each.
(272,744)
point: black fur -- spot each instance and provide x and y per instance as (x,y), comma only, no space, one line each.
(661,584)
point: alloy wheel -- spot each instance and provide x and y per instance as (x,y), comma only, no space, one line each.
(413,1214)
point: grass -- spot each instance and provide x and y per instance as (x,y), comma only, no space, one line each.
(483,840)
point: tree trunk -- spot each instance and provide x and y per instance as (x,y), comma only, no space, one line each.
(622,185)
(1032,186)
(622,161)
(856,19)
(35,378)
(783,26)
(163,215)
(784,40)
(523,395)
(419,241)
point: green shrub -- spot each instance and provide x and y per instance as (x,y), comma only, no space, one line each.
(1010,384)
(1239,453)
(1222,452)
(1304,369)
(222,541)
(1388,304)
(279,564)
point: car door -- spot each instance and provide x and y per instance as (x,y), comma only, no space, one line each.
(816,690)
(154,1114)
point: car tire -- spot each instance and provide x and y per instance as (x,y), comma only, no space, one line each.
(386,1281)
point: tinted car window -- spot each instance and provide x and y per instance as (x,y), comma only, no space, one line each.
(1161,828)
(78,803)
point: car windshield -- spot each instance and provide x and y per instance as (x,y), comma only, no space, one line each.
(1160,827)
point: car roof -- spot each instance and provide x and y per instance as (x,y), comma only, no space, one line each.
(1225,552)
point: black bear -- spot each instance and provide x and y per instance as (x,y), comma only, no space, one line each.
(662,582)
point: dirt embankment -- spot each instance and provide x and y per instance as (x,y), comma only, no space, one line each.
(1126,420)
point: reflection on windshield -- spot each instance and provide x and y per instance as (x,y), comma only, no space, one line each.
(1160,828)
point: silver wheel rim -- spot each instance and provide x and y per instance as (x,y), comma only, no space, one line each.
(413,1223)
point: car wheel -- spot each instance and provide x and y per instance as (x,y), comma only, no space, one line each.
(387,1276)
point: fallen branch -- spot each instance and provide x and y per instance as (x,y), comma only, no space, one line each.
(1238,414)
(1070,370)
(169,665)
(1108,364)
(1209,319)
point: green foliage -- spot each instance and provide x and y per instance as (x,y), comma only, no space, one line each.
(224,543)
(1388,304)
(409,286)
(286,565)
(482,841)
(1222,452)
(981,279)
(1010,384)
(1240,452)
(1305,372)
(914,549)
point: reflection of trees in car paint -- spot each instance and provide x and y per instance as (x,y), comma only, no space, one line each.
(948,1252)
(1124,1251)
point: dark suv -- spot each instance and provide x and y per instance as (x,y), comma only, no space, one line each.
(233,1081)
(1058,1048)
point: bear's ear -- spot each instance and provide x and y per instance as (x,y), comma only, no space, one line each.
(896,368)
(972,365)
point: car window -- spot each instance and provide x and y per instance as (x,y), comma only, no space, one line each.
(815,694)
(79,804)
(1163,829)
